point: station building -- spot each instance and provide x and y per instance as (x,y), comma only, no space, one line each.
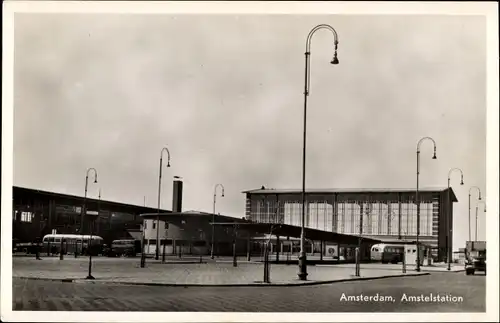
(387,215)
(337,221)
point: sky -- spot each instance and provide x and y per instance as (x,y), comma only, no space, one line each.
(224,93)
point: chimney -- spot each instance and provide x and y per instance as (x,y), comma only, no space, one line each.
(177,195)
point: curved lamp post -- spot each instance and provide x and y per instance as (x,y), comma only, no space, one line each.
(213,217)
(302,258)
(479,198)
(157,251)
(449,228)
(417,201)
(477,206)
(84,210)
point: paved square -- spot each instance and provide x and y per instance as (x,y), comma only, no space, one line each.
(127,270)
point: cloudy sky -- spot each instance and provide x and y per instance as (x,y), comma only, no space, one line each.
(224,93)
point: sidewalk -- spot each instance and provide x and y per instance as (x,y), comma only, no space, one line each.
(409,268)
(128,271)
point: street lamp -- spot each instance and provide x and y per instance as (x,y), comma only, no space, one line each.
(157,255)
(302,257)
(449,234)
(85,196)
(477,205)
(479,198)
(213,217)
(84,210)
(417,201)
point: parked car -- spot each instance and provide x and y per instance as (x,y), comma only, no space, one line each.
(475,264)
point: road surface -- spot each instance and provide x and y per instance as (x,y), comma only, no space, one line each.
(394,295)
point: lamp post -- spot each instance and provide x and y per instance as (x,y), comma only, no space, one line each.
(302,258)
(417,201)
(213,217)
(84,211)
(157,251)
(449,228)
(477,205)
(85,196)
(479,198)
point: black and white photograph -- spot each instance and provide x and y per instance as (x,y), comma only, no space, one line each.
(249,161)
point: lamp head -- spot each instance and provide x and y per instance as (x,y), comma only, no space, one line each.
(95,181)
(335,60)
(479,197)
(168,164)
(462,182)
(434,157)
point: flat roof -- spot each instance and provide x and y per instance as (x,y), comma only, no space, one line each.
(285,230)
(172,215)
(350,191)
(31,191)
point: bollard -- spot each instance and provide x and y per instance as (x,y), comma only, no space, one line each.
(357,256)
(266,265)
(37,251)
(268,269)
(143,254)
(61,253)
(235,263)
(143,260)
(163,254)
(248,248)
(48,249)
(180,251)
(404,263)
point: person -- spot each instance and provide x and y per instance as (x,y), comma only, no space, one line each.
(37,249)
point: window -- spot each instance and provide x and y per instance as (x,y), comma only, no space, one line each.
(145,225)
(154,225)
(26,216)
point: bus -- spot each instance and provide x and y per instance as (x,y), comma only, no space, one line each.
(387,253)
(72,243)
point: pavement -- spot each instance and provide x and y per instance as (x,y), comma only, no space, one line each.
(439,267)
(190,273)
(466,294)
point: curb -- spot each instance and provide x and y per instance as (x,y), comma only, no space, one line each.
(255,284)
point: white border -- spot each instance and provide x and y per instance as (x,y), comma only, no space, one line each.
(488,9)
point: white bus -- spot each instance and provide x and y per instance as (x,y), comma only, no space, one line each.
(394,253)
(71,243)
(387,253)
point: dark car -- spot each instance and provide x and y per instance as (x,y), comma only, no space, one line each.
(475,264)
